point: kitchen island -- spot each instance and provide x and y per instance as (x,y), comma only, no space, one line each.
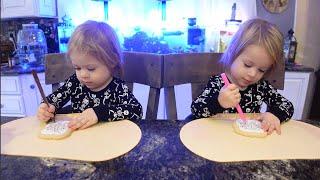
(159,155)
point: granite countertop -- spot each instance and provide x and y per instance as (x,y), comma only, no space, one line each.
(17,70)
(298,68)
(159,155)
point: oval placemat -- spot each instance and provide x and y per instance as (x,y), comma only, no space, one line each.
(101,142)
(216,140)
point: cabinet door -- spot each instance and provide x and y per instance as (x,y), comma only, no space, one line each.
(295,89)
(17,8)
(47,8)
(31,94)
(12,106)
(10,85)
(28,8)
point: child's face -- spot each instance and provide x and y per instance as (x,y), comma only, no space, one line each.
(250,66)
(91,72)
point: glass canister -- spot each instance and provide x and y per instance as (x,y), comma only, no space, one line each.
(31,44)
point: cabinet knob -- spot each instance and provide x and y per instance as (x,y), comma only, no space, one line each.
(32,86)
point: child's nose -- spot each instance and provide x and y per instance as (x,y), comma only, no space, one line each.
(252,72)
(83,73)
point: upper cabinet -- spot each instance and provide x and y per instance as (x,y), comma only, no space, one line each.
(28,8)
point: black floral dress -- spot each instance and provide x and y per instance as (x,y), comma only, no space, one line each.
(206,104)
(114,102)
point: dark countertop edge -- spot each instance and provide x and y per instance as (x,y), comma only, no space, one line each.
(301,70)
(4,73)
(17,73)
(298,68)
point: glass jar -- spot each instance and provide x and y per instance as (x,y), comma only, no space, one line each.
(31,44)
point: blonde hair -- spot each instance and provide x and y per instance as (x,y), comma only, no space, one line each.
(255,32)
(99,40)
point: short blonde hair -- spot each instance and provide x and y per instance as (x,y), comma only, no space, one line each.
(99,40)
(255,32)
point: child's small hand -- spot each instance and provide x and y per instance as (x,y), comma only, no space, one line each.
(86,119)
(269,123)
(229,96)
(45,112)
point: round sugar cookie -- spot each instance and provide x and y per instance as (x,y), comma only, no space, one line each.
(55,130)
(249,127)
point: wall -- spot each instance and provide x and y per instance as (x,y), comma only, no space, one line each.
(284,20)
(307,27)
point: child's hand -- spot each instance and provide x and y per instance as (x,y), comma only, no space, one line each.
(86,119)
(269,123)
(229,96)
(45,112)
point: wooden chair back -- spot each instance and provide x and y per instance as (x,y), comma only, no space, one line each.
(57,69)
(196,68)
(143,68)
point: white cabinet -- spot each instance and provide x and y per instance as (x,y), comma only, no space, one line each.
(28,8)
(20,95)
(299,89)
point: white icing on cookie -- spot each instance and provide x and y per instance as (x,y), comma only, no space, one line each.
(56,128)
(249,125)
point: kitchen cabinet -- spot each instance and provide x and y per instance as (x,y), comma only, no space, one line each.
(20,95)
(299,89)
(28,8)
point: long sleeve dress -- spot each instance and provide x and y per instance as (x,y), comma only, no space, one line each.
(114,102)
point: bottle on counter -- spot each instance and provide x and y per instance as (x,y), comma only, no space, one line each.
(290,47)
(31,44)
(65,29)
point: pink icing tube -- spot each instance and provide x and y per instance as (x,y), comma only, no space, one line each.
(226,81)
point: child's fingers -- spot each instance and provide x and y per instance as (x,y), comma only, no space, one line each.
(278,128)
(51,108)
(48,114)
(42,117)
(238,96)
(78,123)
(86,125)
(73,124)
(271,129)
(265,125)
(42,108)
(232,87)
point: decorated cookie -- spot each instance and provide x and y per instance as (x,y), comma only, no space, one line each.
(55,130)
(250,127)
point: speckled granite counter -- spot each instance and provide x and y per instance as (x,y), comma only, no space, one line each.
(159,155)
(298,68)
(17,70)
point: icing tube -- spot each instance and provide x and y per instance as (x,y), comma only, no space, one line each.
(226,81)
